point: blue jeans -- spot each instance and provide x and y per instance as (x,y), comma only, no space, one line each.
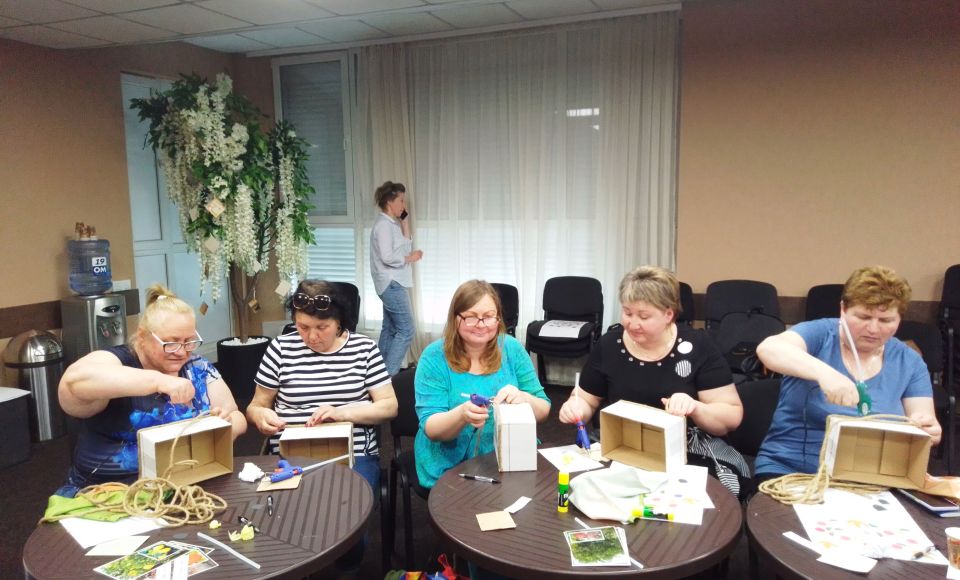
(397,331)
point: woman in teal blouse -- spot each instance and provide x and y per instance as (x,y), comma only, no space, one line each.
(476,356)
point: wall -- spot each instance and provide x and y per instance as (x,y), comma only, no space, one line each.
(62,154)
(816,137)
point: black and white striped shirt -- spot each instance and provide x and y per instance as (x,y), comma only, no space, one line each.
(305,379)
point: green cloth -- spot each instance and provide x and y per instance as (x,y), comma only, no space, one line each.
(81,507)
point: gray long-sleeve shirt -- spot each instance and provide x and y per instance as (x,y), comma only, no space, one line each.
(388,250)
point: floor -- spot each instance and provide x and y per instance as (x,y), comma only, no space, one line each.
(26,487)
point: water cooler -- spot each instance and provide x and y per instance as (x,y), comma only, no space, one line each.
(91,323)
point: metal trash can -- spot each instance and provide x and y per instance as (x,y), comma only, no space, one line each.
(37,359)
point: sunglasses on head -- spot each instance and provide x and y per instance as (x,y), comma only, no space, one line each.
(302,301)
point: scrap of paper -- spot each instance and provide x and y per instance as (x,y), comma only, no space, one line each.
(89,533)
(517,505)
(495,521)
(569,459)
(118,547)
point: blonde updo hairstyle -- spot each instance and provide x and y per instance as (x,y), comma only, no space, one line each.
(161,301)
(466,296)
(877,287)
(654,285)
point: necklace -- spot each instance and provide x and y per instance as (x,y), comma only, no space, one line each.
(652,354)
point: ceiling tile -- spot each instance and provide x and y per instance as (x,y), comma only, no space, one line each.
(284,37)
(186,19)
(4,22)
(537,9)
(344,31)
(40,11)
(49,37)
(627,4)
(406,23)
(114,6)
(113,29)
(229,43)
(362,6)
(261,12)
(477,16)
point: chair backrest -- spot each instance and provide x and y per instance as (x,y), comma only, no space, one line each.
(928,340)
(573,298)
(823,301)
(950,297)
(737,336)
(687,314)
(352,294)
(406,423)
(726,296)
(510,301)
(759,400)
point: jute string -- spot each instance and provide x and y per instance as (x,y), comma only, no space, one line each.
(806,488)
(184,504)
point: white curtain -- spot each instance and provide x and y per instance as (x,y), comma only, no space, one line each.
(534,154)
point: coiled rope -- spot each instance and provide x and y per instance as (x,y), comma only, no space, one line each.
(157,497)
(807,488)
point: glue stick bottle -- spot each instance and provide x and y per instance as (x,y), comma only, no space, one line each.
(563,489)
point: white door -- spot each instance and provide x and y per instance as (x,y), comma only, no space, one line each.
(159,252)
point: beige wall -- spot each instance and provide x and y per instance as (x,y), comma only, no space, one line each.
(818,136)
(62,156)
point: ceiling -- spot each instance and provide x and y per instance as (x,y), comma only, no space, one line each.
(264,27)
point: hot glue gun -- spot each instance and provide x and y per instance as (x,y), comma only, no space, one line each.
(285,471)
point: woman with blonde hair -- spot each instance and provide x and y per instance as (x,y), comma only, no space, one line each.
(156,378)
(475,356)
(822,361)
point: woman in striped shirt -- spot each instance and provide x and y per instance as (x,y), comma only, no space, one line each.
(324,373)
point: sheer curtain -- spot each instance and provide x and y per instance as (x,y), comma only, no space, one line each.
(534,154)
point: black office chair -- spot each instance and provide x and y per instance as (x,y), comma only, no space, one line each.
(738,334)
(402,466)
(823,301)
(726,296)
(570,298)
(949,322)
(687,314)
(759,400)
(510,301)
(347,292)
(927,338)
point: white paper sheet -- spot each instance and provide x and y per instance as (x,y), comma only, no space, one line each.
(517,505)
(569,458)
(118,547)
(561,329)
(89,533)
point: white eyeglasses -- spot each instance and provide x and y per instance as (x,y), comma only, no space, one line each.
(171,347)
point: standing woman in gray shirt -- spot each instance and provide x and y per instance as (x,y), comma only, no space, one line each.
(391,253)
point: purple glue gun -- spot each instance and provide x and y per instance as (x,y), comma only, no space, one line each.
(583,440)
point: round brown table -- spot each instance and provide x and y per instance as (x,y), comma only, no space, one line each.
(536,548)
(311,526)
(768,519)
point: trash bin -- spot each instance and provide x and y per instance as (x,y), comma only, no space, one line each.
(37,359)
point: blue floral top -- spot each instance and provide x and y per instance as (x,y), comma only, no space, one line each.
(107,444)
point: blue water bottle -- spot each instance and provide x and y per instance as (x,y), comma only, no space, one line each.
(90,266)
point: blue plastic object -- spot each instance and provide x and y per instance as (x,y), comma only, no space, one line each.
(285,471)
(583,440)
(89,266)
(479,400)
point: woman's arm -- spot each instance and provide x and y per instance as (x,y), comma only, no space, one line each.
(786,353)
(717,411)
(260,412)
(88,384)
(446,426)
(223,405)
(921,411)
(383,408)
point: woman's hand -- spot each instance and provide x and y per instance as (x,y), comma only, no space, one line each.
(929,424)
(473,415)
(680,404)
(839,390)
(267,421)
(179,390)
(510,395)
(324,414)
(220,412)
(574,410)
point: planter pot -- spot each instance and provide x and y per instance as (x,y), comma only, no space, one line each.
(238,364)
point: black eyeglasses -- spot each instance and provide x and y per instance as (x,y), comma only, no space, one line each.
(319,302)
(476,320)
